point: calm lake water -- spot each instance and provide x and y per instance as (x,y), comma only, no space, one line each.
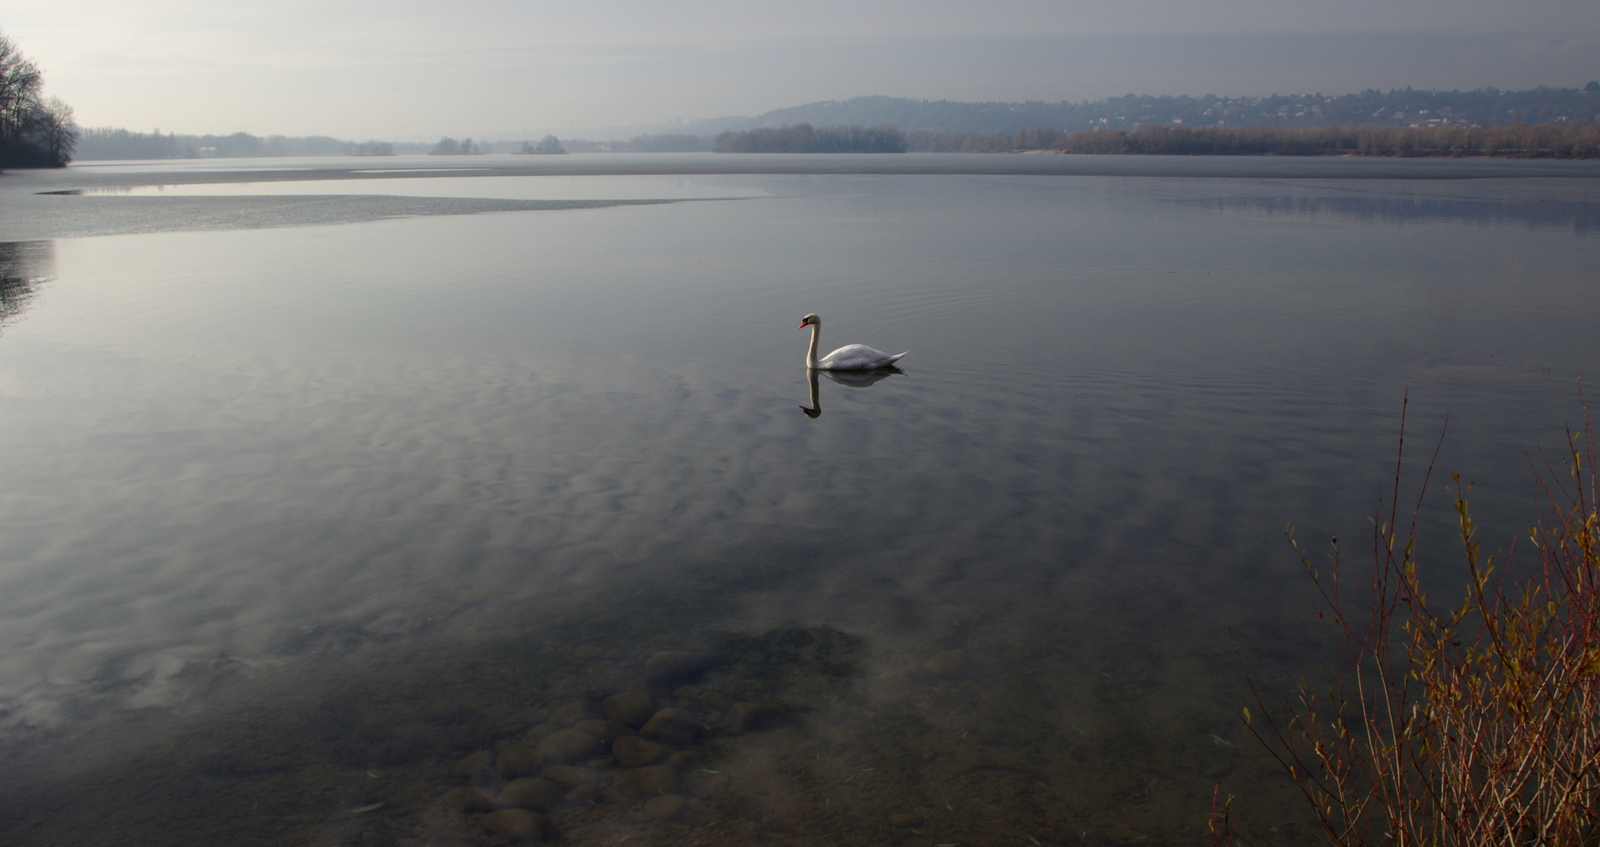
(320,476)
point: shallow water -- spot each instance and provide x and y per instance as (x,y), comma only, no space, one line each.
(309,494)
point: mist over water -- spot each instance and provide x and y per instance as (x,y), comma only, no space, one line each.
(335,487)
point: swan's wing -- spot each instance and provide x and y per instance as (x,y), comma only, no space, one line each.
(856,357)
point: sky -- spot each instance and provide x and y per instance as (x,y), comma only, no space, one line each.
(406,70)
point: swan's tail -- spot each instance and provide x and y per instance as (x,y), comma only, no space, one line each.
(896,357)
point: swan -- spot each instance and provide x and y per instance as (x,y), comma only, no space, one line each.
(851,357)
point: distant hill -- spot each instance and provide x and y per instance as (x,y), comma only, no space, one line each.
(1395,108)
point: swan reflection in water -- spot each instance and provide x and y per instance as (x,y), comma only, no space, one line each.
(849,379)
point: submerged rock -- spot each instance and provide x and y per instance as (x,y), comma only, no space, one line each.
(706,785)
(530,793)
(713,700)
(568,746)
(673,726)
(586,795)
(568,776)
(629,708)
(665,807)
(606,731)
(684,759)
(951,664)
(672,666)
(688,693)
(571,713)
(470,800)
(517,760)
(748,716)
(632,751)
(540,733)
(477,767)
(647,782)
(517,824)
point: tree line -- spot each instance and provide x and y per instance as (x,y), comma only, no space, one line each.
(1037,138)
(1518,140)
(671,142)
(804,138)
(116,143)
(547,146)
(448,146)
(108,143)
(1557,140)
(35,132)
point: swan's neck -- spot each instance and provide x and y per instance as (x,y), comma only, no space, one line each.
(816,404)
(811,353)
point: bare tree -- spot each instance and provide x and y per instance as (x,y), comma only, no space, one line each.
(33,132)
(20,82)
(56,132)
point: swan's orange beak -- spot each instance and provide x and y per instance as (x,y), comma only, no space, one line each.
(802,325)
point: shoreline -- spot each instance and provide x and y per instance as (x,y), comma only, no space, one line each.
(109,173)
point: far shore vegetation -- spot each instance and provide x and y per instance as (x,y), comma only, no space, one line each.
(103,143)
(448,146)
(1544,122)
(804,138)
(1518,140)
(1547,141)
(549,145)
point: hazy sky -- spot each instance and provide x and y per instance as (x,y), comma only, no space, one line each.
(412,70)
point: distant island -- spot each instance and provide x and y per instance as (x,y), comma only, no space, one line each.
(547,146)
(448,146)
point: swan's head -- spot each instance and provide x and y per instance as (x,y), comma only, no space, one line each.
(810,320)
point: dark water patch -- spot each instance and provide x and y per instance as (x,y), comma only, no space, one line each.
(798,731)
(295,750)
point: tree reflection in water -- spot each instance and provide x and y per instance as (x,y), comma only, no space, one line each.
(23,265)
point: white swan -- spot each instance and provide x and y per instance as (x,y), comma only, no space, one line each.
(851,357)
